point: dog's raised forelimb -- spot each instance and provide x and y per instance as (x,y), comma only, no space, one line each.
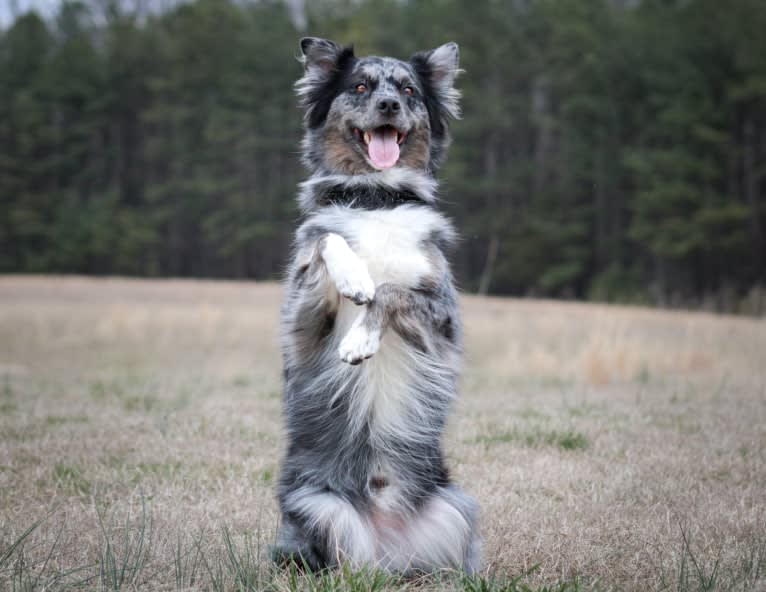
(361,342)
(330,259)
(325,270)
(347,271)
(417,315)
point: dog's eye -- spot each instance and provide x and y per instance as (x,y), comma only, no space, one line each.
(361,88)
(408,90)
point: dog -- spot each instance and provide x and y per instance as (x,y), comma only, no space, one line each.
(370,327)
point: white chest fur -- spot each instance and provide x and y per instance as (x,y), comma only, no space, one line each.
(390,242)
(393,243)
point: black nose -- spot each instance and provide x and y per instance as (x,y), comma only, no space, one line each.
(388,106)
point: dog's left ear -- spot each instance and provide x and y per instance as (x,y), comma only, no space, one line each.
(438,70)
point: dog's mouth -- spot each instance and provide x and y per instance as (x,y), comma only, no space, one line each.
(382,144)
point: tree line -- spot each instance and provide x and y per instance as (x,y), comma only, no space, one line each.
(609,150)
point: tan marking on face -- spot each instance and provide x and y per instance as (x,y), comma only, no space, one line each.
(415,151)
(341,155)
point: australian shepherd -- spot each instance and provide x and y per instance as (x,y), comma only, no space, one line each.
(370,328)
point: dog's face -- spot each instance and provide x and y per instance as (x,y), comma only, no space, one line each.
(371,114)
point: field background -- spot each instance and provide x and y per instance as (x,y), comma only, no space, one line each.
(140,423)
(609,150)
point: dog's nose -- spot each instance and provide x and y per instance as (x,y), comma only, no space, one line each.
(388,106)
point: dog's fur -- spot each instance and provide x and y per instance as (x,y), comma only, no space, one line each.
(370,324)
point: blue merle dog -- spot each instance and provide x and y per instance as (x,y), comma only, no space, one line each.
(370,323)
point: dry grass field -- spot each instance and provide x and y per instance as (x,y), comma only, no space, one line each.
(140,434)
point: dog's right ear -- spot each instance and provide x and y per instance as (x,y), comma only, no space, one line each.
(319,55)
(324,62)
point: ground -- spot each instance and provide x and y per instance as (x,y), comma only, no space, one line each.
(140,434)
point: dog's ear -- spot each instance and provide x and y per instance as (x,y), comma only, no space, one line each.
(437,70)
(325,63)
(319,55)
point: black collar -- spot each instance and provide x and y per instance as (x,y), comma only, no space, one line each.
(367,197)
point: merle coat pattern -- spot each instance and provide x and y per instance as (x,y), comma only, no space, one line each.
(370,323)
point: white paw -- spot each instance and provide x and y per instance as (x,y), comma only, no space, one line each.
(359,344)
(347,270)
(356,284)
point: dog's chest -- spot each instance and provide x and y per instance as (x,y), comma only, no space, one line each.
(391,243)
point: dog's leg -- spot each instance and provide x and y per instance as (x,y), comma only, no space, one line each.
(414,314)
(330,259)
(443,534)
(361,341)
(447,531)
(347,271)
(331,527)
(469,510)
(323,270)
(293,545)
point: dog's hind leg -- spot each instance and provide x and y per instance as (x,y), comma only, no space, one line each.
(331,529)
(443,534)
(469,510)
(293,545)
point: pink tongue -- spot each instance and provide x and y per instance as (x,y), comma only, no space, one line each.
(383,149)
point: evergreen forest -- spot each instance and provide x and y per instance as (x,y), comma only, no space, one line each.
(608,150)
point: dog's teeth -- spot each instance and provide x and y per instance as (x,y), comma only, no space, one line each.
(367,138)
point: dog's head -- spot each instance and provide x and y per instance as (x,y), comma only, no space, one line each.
(371,114)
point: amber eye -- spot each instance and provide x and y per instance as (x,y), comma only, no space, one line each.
(408,90)
(360,88)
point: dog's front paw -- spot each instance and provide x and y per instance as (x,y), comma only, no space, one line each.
(358,345)
(357,285)
(347,270)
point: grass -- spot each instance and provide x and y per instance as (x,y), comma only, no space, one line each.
(565,440)
(53,420)
(610,448)
(69,476)
(121,562)
(237,565)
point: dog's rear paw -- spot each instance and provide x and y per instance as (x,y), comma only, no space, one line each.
(359,344)
(305,561)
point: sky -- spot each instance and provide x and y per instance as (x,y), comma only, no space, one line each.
(44,7)
(48,8)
